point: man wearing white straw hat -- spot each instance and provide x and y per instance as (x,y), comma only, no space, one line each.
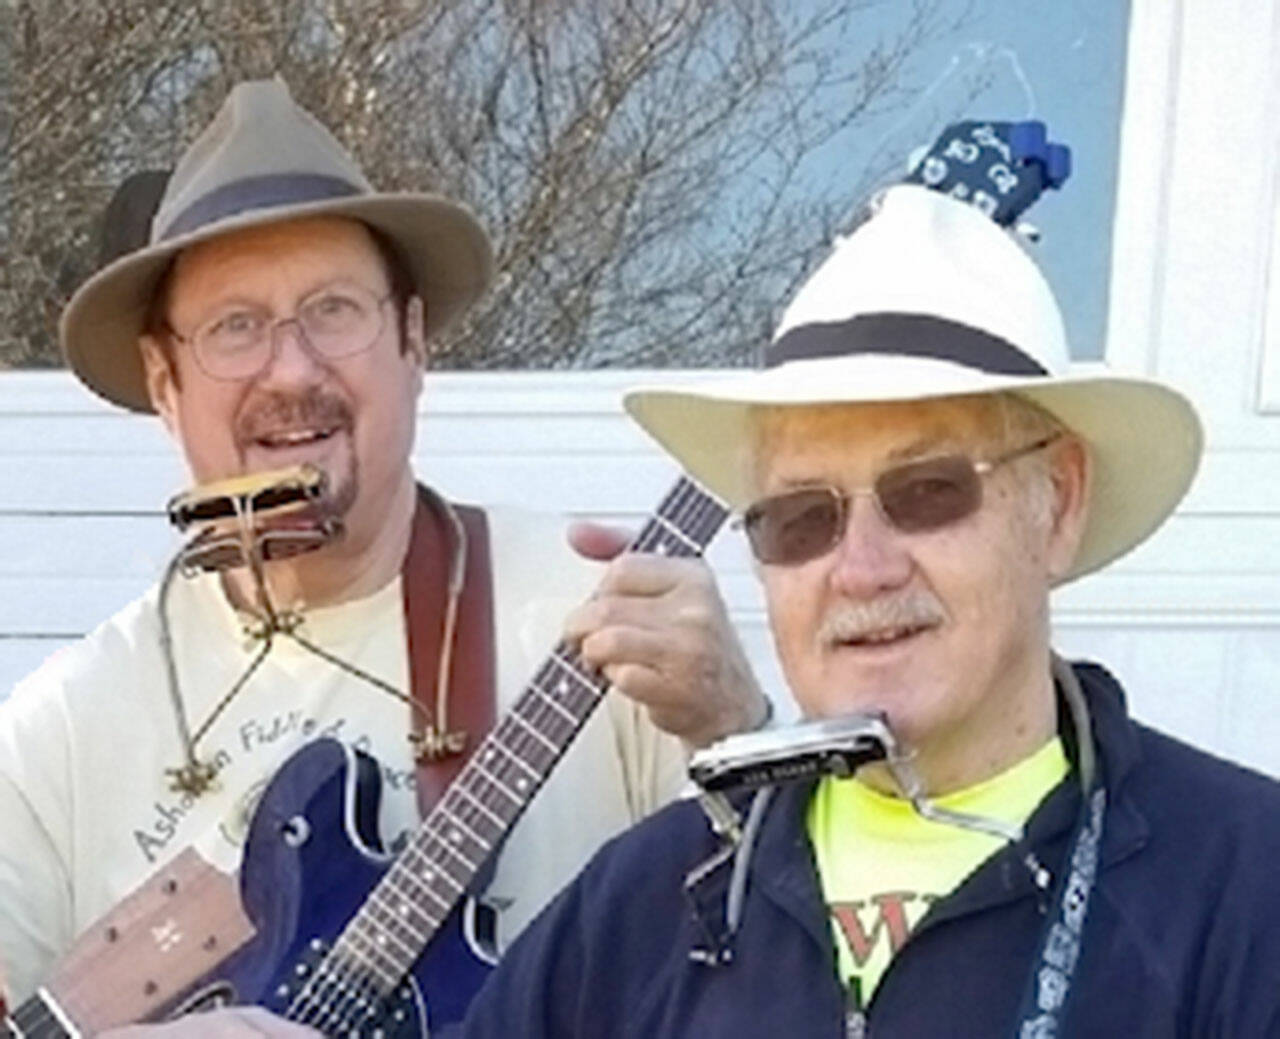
(916,472)
(278,316)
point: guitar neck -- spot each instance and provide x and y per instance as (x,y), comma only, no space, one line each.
(492,791)
(38,1016)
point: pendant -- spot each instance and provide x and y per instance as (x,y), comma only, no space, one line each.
(193,778)
(433,745)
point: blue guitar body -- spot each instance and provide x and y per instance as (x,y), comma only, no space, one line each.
(312,857)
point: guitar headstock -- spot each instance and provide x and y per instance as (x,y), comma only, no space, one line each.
(1000,168)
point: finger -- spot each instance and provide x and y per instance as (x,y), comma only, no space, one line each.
(597,541)
(643,573)
(271,1025)
(609,611)
(228,1023)
(263,1022)
(673,714)
(618,644)
(640,683)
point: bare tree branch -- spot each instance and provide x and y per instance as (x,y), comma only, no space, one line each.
(644,165)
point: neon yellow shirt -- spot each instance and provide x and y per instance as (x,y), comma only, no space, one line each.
(881,865)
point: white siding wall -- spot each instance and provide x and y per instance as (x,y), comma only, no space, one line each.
(1191,627)
(1190,621)
(82,530)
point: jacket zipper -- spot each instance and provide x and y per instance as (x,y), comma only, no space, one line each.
(855,1015)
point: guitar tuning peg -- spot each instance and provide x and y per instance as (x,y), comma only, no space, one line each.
(1028,141)
(1057,165)
(1028,231)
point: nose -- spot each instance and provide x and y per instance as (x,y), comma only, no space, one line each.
(293,362)
(871,556)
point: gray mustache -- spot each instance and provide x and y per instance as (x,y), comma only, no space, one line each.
(284,412)
(854,620)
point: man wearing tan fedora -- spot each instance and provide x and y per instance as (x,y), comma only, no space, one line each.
(915,472)
(278,317)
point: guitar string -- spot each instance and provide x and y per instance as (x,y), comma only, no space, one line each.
(701,521)
(694,513)
(698,513)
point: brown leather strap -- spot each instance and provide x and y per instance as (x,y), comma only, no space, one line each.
(425,580)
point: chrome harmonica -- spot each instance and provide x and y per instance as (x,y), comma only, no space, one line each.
(276,492)
(272,515)
(822,747)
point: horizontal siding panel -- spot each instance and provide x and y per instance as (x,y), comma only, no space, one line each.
(89,546)
(20,656)
(525,392)
(97,544)
(62,606)
(134,483)
(1190,621)
(458,433)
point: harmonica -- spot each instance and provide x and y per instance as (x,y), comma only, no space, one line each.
(273,515)
(278,491)
(822,747)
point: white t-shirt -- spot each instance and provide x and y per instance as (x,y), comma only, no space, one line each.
(86,812)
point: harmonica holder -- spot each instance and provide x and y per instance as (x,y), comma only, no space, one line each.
(232,520)
(764,761)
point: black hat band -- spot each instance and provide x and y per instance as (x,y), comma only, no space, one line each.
(908,335)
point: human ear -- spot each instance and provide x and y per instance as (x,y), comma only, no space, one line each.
(1070,469)
(161,380)
(415,337)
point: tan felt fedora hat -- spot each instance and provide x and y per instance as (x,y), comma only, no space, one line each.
(931,299)
(262,159)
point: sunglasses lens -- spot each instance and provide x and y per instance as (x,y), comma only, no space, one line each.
(792,528)
(930,494)
(919,496)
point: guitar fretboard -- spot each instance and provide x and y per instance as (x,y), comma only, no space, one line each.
(35,1018)
(402,913)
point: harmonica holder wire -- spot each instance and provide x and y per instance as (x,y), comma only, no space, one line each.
(737,837)
(429,736)
(194,776)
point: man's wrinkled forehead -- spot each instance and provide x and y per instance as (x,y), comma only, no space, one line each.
(873,431)
(355,240)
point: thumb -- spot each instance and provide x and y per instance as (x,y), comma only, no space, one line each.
(597,541)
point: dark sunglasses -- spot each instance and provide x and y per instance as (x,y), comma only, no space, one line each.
(919,496)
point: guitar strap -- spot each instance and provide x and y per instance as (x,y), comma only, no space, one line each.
(472,697)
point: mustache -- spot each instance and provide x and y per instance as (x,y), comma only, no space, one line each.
(847,621)
(276,411)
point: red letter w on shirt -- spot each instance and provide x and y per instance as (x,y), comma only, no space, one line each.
(890,919)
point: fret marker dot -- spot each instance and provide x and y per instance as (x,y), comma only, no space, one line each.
(455,836)
(522,784)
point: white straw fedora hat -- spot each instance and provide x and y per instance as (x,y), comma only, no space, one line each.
(263,159)
(929,298)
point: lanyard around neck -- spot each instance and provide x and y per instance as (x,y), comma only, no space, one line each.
(1044,997)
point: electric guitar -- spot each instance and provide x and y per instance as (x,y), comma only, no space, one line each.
(340,926)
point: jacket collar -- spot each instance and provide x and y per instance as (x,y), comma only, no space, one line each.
(784,868)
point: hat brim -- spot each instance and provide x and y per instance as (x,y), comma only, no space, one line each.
(446,250)
(1144,438)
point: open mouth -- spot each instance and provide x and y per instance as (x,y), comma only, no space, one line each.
(883,637)
(285,439)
